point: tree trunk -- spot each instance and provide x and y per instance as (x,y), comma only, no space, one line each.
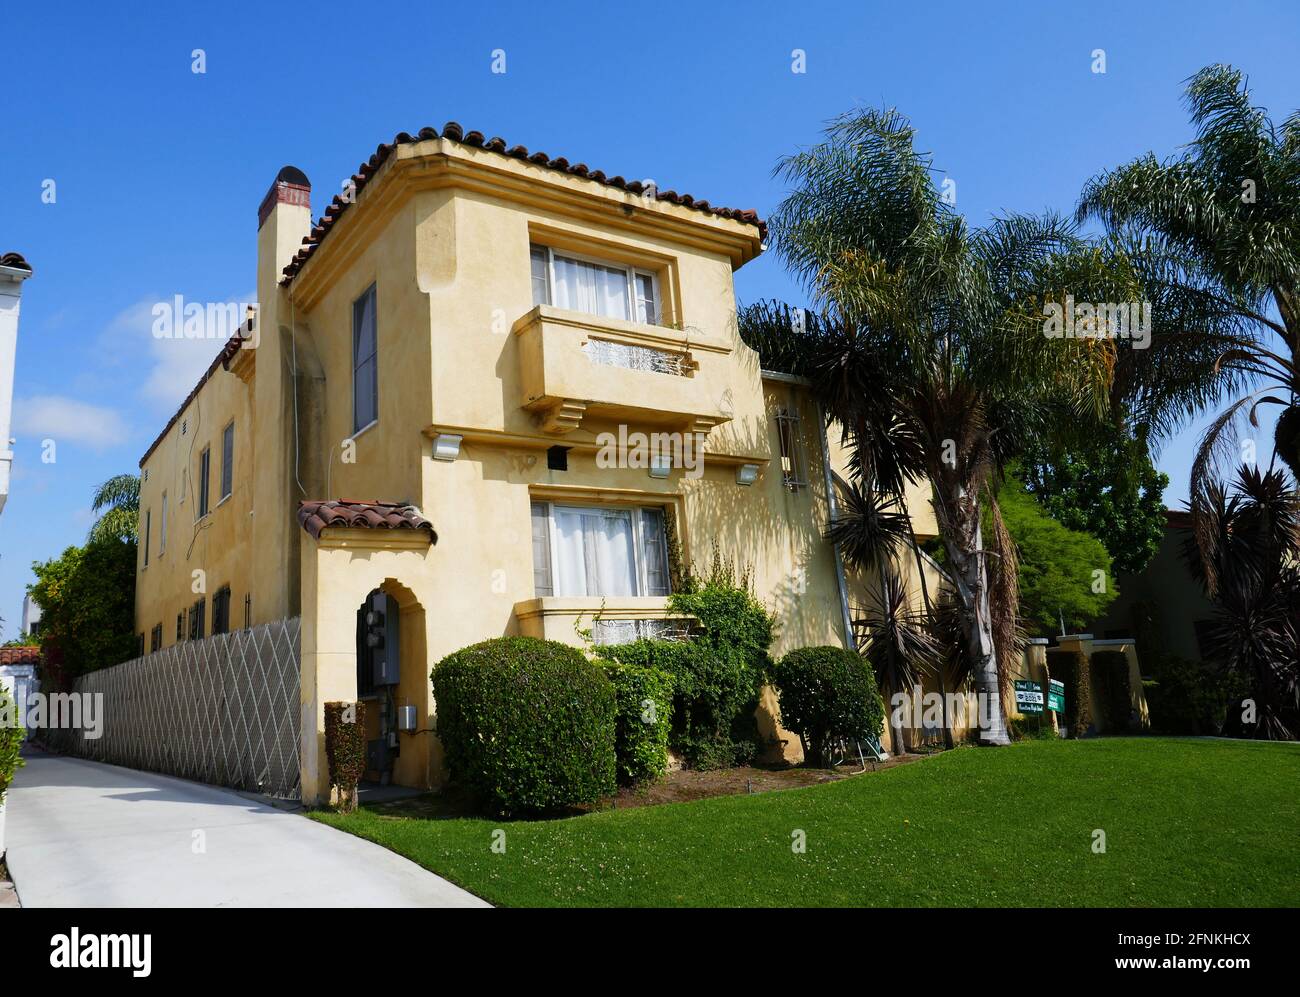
(970,577)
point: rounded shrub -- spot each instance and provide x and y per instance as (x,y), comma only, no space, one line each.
(527,724)
(825,693)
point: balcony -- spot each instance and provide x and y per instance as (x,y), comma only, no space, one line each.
(573,365)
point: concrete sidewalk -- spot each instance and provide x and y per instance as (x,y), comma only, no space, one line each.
(82,834)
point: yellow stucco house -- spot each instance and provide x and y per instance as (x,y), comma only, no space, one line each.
(491,392)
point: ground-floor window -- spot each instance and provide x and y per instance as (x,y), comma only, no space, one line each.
(593,550)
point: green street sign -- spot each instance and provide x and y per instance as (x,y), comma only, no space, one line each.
(1055,696)
(1029,697)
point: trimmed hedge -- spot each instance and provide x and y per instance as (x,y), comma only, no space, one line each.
(527,724)
(1071,669)
(643,699)
(1114,693)
(345,749)
(827,692)
(11,740)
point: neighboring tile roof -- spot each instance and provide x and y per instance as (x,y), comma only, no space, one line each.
(1176,519)
(317,515)
(451,130)
(15,260)
(20,655)
(227,353)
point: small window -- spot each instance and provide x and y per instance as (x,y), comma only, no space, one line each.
(205,469)
(598,550)
(148,528)
(139,646)
(227,460)
(221,610)
(792,464)
(180,627)
(155,638)
(365,362)
(162,528)
(596,287)
(198,621)
(248,610)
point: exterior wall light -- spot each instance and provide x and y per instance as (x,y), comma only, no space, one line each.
(446,446)
(746,474)
(660,465)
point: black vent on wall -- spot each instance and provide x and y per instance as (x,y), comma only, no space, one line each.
(557,458)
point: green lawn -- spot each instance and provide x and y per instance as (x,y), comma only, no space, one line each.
(1187,822)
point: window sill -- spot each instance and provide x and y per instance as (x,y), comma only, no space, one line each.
(370,425)
(610,607)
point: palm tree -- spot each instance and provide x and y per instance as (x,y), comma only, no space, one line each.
(1253,537)
(1224,219)
(928,350)
(119,498)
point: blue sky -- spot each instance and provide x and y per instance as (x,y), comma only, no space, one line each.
(159,170)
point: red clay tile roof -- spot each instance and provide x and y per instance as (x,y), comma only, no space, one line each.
(451,130)
(20,655)
(15,260)
(317,515)
(1176,519)
(227,353)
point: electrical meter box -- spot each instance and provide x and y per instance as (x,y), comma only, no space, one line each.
(382,639)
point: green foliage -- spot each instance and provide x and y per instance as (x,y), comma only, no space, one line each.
(1057,566)
(528,725)
(11,739)
(717,674)
(1104,485)
(643,703)
(1070,668)
(1188,697)
(1032,728)
(345,749)
(118,502)
(1114,693)
(87,600)
(827,692)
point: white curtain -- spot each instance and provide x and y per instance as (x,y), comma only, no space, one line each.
(593,553)
(591,288)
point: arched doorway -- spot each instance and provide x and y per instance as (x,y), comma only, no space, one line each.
(392,679)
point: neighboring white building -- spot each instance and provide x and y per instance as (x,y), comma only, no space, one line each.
(31,616)
(13,271)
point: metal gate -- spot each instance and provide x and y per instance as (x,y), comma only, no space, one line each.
(221,710)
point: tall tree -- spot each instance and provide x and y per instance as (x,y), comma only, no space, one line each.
(927,348)
(1224,219)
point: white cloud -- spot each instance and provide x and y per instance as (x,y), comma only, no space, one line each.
(67,420)
(171,366)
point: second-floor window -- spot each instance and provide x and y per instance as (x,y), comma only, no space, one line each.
(205,474)
(597,287)
(162,528)
(365,362)
(155,638)
(198,621)
(588,550)
(148,528)
(227,460)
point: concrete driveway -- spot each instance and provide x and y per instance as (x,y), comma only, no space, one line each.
(82,834)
